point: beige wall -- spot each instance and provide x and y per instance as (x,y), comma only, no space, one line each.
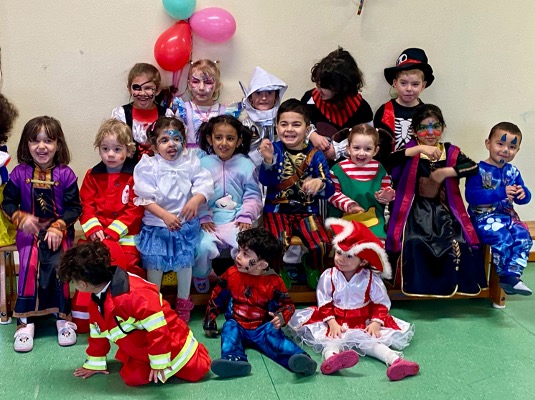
(69,58)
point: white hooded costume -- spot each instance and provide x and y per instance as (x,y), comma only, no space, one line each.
(262,123)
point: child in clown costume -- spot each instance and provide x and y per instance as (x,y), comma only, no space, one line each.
(352,315)
(154,344)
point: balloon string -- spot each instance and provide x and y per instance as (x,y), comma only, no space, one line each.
(178,74)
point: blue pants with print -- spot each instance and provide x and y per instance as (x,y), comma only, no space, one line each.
(509,239)
(266,339)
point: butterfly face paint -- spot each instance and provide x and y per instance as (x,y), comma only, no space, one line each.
(170,144)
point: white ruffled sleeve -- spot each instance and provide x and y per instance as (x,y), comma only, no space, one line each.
(118,113)
(145,182)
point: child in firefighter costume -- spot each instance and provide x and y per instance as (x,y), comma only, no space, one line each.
(153,343)
(256,305)
(352,314)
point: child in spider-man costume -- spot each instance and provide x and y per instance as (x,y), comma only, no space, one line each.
(256,305)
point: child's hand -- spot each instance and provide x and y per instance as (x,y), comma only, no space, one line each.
(53,240)
(192,206)
(520,193)
(155,374)
(510,191)
(208,227)
(330,153)
(374,329)
(319,141)
(30,225)
(242,226)
(335,329)
(432,152)
(98,235)
(266,151)
(210,328)
(385,195)
(438,175)
(312,186)
(88,373)
(276,321)
(172,222)
(355,209)
(210,333)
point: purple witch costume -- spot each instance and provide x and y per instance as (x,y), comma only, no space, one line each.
(51,196)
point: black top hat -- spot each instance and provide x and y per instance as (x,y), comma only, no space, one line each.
(413,58)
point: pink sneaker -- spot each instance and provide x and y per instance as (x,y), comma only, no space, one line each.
(345,359)
(183,309)
(401,368)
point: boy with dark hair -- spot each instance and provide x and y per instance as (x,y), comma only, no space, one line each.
(409,77)
(491,195)
(256,305)
(127,310)
(296,176)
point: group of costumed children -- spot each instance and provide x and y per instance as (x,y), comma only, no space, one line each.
(180,182)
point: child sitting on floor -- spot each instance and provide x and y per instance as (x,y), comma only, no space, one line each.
(353,306)
(153,343)
(256,305)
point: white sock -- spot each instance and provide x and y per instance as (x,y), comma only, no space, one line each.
(24,320)
(155,276)
(184,283)
(383,353)
(329,351)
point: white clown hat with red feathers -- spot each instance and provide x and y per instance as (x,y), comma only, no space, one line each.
(356,239)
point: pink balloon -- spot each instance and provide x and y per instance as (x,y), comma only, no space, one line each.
(173,47)
(213,24)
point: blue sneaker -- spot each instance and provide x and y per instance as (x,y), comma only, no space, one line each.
(512,284)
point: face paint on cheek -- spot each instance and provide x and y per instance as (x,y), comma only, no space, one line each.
(178,139)
(252,263)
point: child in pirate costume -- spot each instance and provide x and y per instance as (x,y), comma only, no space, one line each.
(256,306)
(296,176)
(352,314)
(260,106)
(411,75)
(154,344)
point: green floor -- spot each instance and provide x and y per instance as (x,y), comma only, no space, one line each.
(466,350)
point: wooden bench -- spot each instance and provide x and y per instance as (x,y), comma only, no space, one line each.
(298,293)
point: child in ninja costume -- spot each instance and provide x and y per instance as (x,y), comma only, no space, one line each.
(352,314)
(256,306)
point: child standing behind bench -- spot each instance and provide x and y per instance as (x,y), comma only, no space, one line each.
(491,195)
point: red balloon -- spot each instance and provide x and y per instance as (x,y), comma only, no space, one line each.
(173,47)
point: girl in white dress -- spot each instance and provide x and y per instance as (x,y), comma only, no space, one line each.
(352,314)
(170,185)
